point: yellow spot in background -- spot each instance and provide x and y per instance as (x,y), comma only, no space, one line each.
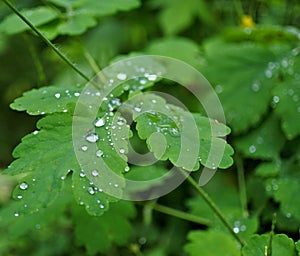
(247,22)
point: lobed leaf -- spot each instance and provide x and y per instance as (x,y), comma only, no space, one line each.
(204,243)
(258,245)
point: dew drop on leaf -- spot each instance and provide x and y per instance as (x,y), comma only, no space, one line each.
(256,86)
(19,196)
(99,122)
(91,191)
(276,99)
(127,168)
(82,174)
(121,76)
(23,186)
(252,149)
(57,95)
(236,230)
(16,214)
(95,173)
(268,73)
(99,153)
(92,137)
(122,150)
(84,148)
(152,77)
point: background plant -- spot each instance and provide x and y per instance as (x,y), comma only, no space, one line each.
(252,62)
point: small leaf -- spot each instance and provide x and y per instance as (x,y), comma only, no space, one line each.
(12,24)
(174,134)
(46,100)
(77,24)
(264,142)
(211,242)
(98,234)
(258,245)
(245,94)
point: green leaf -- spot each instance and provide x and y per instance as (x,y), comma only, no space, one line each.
(264,142)
(284,192)
(188,10)
(288,107)
(46,100)
(189,50)
(268,169)
(98,234)
(77,24)
(258,245)
(169,130)
(12,24)
(102,7)
(211,242)
(244,75)
(298,246)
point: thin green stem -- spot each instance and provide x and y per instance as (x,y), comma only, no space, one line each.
(269,249)
(180,214)
(213,206)
(242,186)
(47,41)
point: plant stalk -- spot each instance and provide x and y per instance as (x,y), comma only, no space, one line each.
(179,214)
(213,206)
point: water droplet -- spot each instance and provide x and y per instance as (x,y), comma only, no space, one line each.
(243,228)
(252,149)
(295,98)
(84,148)
(76,94)
(91,191)
(99,122)
(82,174)
(92,137)
(19,196)
(95,173)
(122,150)
(276,99)
(288,215)
(35,132)
(268,73)
(256,86)
(284,63)
(23,186)
(236,230)
(121,76)
(219,88)
(101,206)
(152,77)
(99,153)
(142,240)
(57,95)
(174,132)
(137,108)
(16,214)
(63,177)
(127,168)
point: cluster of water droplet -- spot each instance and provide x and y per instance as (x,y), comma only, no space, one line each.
(239,227)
